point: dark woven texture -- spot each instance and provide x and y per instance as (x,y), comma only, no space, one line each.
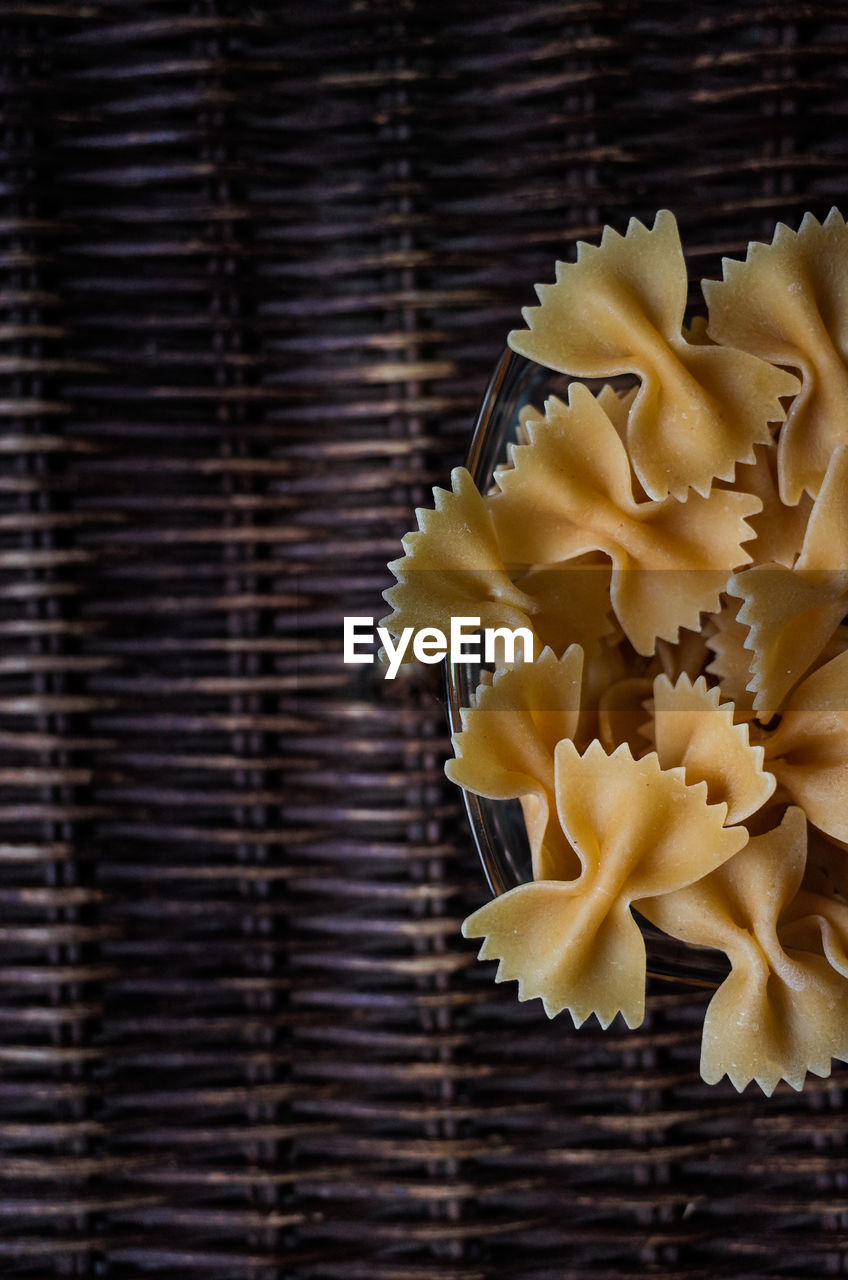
(257,263)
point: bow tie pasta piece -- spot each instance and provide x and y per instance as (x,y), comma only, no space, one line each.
(790,618)
(603,667)
(506,748)
(692,729)
(808,751)
(453,567)
(568,487)
(638,832)
(791,614)
(619,309)
(817,922)
(825,545)
(670,559)
(779,529)
(788,303)
(571,604)
(617,407)
(688,656)
(780,1013)
(731,661)
(622,716)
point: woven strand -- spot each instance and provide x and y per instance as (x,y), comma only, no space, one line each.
(260,261)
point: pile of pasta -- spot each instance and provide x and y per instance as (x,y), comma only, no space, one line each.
(679,553)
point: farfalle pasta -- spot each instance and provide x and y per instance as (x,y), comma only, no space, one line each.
(452,567)
(730,662)
(571,604)
(678,551)
(791,613)
(787,304)
(817,922)
(808,751)
(505,750)
(638,831)
(619,308)
(693,730)
(621,713)
(783,1010)
(670,559)
(778,529)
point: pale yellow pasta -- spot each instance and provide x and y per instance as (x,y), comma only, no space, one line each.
(617,405)
(571,604)
(638,832)
(779,529)
(670,559)
(688,656)
(731,661)
(622,715)
(603,666)
(808,751)
(696,333)
(506,748)
(790,618)
(788,303)
(825,545)
(680,555)
(791,614)
(692,729)
(453,567)
(817,922)
(619,309)
(783,1011)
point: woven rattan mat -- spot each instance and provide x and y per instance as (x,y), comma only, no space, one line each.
(258,261)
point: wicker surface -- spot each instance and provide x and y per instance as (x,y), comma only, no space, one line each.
(258,261)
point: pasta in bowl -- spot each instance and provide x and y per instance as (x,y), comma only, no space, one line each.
(672,733)
(498,826)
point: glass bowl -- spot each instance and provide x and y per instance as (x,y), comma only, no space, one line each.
(497,826)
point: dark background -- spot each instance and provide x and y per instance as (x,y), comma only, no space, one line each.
(258,262)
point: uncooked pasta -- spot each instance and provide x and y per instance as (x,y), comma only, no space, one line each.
(678,552)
